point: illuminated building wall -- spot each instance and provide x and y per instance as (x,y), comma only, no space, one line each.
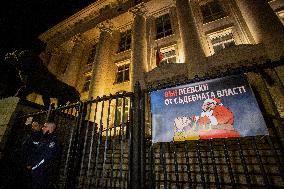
(111,44)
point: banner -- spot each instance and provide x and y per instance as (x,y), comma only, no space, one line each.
(218,108)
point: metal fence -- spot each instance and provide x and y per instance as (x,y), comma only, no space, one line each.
(105,144)
(94,141)
(247,162)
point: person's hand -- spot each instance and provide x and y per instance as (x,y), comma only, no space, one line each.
(29,167)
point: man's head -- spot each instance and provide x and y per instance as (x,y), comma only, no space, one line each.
(48,127)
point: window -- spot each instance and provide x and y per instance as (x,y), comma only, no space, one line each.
(163,25)
(125,41)
(87,83)
(92,55)
(169,55)
(222,40)
(123,106)
(122,73)
(211,11)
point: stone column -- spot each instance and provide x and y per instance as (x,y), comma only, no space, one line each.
(101,60)
(264,25)
(193,52)
(138,47)
(73,68)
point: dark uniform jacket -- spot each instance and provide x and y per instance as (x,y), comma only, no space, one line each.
(30,145)
(42,149)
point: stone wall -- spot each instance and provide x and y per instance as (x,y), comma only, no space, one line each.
(7,115)
(10,108)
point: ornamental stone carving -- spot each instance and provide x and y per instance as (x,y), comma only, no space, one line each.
(107,26)
(139,9)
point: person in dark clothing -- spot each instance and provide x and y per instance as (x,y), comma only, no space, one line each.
(29,146)
(42,150)
(31,142)
(13,172)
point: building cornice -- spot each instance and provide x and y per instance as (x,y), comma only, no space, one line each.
(90,12)
(88,18)
(139,9)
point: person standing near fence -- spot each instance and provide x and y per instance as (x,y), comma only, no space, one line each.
(32,139)
(28,147)
(41,157)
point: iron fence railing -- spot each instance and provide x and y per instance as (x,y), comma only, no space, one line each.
(248,162)
(105,144)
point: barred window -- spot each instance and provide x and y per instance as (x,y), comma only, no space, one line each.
(164,27)
(125,41)
(87,83)
(91,57)
(211,11)
(122,73)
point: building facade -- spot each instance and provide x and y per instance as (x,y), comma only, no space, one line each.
(110,45)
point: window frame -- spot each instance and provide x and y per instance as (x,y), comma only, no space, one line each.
(162,22)
(123,110)
(166,50)
(126,67)
(125,41)
(219,35)
(213,16)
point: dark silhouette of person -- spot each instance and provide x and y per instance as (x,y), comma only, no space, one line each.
(42,150)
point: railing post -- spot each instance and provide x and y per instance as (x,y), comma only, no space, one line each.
(50,108)
(72,174)
(142,140)
(80,141)
(135,159)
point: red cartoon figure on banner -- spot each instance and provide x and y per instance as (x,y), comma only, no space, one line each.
(215,121)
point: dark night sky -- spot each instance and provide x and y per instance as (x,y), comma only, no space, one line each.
(21,21)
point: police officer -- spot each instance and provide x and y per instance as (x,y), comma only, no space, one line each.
(29,147)
(44,150)
(31,142)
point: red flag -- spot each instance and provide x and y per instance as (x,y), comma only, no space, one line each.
(159,57)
